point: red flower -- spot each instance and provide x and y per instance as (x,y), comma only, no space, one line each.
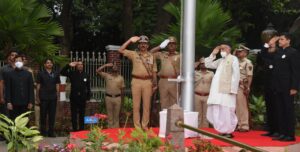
(82,150)
(71,146)
(176,146)
(169,137)
(104,148)
(162,148)
(101,116)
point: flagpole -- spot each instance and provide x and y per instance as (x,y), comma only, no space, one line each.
(188,54)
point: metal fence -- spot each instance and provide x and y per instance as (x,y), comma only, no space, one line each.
(93,60)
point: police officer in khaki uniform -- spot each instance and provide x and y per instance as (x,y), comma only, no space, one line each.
(143,78)
(203,79)
(246,73)
(114,93)
(170,69)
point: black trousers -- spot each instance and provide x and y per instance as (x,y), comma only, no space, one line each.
(17,110)
(286,112)
(47,109)
(272,111)
(77,111)
(3,109)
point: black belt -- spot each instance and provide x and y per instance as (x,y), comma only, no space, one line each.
(113,96)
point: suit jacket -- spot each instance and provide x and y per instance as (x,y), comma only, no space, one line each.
(80,83)
(286,73)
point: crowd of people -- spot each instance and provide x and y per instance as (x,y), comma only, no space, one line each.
(221,98)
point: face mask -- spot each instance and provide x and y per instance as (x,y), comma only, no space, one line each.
(19,64)
(223,54)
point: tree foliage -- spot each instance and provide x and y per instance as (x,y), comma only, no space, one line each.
(27,25)
(212,26)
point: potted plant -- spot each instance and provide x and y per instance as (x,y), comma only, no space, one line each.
(127,109)
(258,109)
(18,135)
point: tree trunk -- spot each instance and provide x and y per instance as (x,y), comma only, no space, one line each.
(164,17)
(127,19)
(67,26)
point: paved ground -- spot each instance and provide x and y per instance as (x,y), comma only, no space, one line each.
(46,141)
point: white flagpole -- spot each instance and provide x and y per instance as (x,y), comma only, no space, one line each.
(188,54)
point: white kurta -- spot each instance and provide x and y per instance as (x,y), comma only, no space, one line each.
(221,106)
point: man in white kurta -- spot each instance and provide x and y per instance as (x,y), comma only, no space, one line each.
(222,98)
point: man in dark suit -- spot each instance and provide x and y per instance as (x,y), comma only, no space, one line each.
(265,63)
(80,92)
(285,82)
(19,92)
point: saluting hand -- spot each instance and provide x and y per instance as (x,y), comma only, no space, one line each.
(109,64)
(216,50)
(164,44)
(134,39)
(73,64)
(293,92)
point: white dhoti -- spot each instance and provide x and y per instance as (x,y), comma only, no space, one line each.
(223,118)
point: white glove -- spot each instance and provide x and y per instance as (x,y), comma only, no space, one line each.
(164,44)
(266,45)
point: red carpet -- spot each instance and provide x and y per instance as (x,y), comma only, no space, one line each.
(252,138)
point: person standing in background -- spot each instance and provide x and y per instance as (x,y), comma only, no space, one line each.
(10,58)
(286,82)
(246,75)
(170,69)
(47,94)
(114,93)
(19,90)
(203,79)
(80,92)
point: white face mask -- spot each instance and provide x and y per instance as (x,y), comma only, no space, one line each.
(19,64)
(223,54)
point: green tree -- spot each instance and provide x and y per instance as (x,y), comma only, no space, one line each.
(27,25)
(212,26)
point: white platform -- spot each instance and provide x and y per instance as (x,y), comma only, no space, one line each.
(190,118)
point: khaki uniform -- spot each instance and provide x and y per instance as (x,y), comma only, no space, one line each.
(170,68)
(141,85)
(114,85)
(242,111)
(202,88)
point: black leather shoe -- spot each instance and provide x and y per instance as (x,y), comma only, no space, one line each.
(229,135)
(288,138)
(275,135)
(51,135)
(278,137)
(267,134)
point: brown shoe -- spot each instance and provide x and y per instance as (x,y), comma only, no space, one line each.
(243,130)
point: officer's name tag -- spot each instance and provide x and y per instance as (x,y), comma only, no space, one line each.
(90,120)
(84,79)
(283,56)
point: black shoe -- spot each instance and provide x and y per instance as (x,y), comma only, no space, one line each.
(51,135)
(288,138)
(275,135)
(267,134)
(278,137)
(228,135)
